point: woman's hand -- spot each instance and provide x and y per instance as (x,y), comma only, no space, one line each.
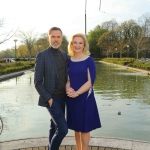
(69,91)
(72,93)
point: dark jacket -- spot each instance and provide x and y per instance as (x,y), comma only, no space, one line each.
(46,75)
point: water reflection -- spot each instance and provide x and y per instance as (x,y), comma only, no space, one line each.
(116,89)
(121,83)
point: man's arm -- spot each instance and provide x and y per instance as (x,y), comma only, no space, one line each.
(39,78)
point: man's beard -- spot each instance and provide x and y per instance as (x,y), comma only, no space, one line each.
(55,47)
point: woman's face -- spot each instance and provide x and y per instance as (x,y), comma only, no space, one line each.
(78,44)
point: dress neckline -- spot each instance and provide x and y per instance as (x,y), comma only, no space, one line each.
(81,59)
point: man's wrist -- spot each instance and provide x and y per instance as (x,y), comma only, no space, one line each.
(49,100)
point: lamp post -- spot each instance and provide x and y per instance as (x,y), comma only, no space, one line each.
(85,15)
(116,52)
(15,47)
(128,51)
(85,12)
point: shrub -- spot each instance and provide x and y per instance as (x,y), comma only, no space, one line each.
(15,66)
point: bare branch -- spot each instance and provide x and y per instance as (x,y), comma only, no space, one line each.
(28,38)
(8,35)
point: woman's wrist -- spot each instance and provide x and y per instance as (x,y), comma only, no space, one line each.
(78,93)
(67,88)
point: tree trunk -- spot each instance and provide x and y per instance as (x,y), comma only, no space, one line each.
(121,54)
(30,55)
(137,54)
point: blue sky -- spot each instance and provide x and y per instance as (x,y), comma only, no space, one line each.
(69,15)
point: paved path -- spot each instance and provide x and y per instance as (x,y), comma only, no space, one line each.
(96,143)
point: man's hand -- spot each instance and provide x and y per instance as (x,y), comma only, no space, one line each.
(50,102)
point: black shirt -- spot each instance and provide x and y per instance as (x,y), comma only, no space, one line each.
(59,90)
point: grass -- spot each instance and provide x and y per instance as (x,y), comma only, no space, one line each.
(131,62)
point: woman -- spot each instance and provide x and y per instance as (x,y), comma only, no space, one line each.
(82,113)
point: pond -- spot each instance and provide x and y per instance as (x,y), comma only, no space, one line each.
(116,90)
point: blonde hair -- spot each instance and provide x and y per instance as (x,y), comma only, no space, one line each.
(86,44)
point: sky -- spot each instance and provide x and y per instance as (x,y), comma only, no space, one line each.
(69,15)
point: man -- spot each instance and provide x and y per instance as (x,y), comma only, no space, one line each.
(50,80)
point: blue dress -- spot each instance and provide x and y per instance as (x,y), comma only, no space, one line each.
(82,112)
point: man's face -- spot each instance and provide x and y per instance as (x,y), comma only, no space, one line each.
(55,38)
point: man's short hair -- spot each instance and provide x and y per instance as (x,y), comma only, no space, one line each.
(54,28)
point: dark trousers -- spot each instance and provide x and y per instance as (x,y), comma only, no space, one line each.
(58,125)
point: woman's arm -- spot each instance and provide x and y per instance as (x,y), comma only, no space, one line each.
(68,83)
(85,87)
(69,90)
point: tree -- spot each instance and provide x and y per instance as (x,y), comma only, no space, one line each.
(107,42)
(5,36)
(109,25)
(42,43)
(138,41)
(22,51)
(124,33)
(8,53)
(93,37)
(64,45)
(144,22)
(28,39)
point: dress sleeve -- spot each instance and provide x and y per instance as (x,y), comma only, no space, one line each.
(92,69)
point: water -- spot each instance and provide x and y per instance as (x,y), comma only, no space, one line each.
(116,89)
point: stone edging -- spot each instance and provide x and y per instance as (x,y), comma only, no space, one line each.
(13,74)
(8,76)
(96,143)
